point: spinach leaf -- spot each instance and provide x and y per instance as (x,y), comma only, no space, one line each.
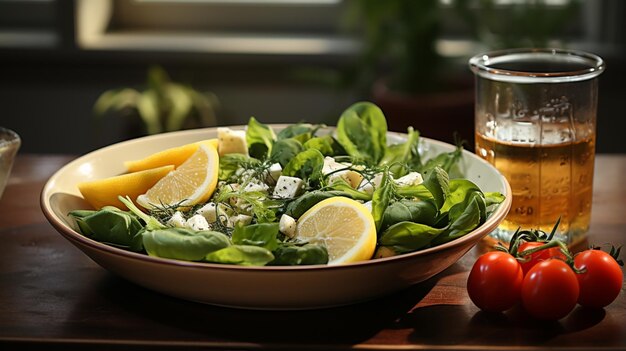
(294,130)
(244,255)
(183,244)
(362,131)
(112,226)
(463,219)
(260,139)
(415,191)
(285,150)
(493,198)
(342,185)
(437,183)
(459,190)
(305,165)
(300,205)
(323,144)
(291,255)
(409,236)
(424,212)
(448,161)
(381,198)
(403,157)
(231,162)
(261,234)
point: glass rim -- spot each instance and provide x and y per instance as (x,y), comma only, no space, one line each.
(13,137)
(482,65)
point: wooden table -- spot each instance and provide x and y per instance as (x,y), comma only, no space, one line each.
(54,297)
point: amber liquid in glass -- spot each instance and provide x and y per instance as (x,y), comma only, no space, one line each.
(548,181)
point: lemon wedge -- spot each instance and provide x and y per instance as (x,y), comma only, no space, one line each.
(104,192)
(192,182)
(174,156)
(343,225)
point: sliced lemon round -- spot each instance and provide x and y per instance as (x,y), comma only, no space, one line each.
(104,192)
(192,182)
(343,225)
(174,156)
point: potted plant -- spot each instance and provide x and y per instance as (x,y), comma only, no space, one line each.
(163,106)
(408,78)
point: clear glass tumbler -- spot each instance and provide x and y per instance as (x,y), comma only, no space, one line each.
(535,121)
(9,144)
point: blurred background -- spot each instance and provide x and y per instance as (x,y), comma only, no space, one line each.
(78,75)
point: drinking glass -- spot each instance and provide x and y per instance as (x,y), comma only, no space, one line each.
(535,121)
(9,144)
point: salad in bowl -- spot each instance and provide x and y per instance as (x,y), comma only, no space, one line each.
(278,216)
(302,195)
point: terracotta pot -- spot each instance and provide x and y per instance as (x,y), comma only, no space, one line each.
(435,115)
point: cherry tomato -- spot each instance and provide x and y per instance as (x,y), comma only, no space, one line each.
(602,280)
(495,281)
(550,290)
(539,256)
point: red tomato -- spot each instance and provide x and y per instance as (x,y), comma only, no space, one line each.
(539,256)
(601,282)
(495,281)
(550,290)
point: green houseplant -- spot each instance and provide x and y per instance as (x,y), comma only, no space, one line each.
(163,106)
(415,85)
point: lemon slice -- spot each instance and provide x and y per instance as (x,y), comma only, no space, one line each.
(343,225)
(174,156)
(192,182)
(105,192)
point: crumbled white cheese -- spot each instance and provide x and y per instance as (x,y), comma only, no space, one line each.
(411,179)
(198,223)
(330,165)
(231,141)
(177,220)
(240,218)
(287,225)
(255,186)
(274,172)
(287,187)
(369,186)
(209,212)
(349,176)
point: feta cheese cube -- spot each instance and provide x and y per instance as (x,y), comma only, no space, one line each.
(368,186)
(330,165)
(274,172)
(177,220)
(287,187)
(255,186)
(349,176)
(240,218)
(231,141)
(287,225)
(413,178)
(209,212)
(198,223)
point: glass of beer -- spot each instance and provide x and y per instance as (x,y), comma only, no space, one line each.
(535,121)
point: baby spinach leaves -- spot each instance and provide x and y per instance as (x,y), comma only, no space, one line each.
(262,235)
(260,139)
(183,244)
(285,150)
(243,255)
(403,157)
(305,165)
(112,226)
(293,254)
(362,131)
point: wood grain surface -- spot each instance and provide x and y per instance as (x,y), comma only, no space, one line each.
(54,297)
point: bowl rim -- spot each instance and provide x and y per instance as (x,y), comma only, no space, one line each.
(73,236)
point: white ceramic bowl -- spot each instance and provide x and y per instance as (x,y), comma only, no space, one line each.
(299,287)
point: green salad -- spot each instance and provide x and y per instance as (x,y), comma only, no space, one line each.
(269,179)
